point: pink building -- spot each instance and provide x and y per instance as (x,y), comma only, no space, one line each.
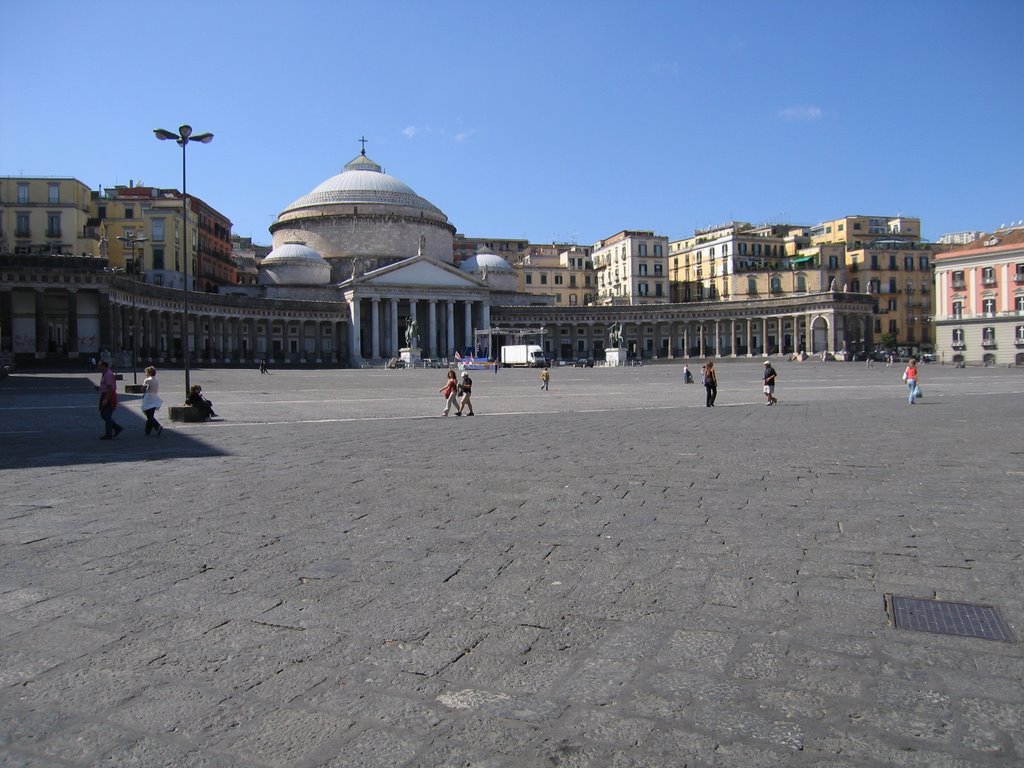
(979,300)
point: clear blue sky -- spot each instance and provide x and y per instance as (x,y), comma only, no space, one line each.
(538,120)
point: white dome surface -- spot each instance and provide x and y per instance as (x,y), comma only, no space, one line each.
(293,253)
(489,262)
(363,181)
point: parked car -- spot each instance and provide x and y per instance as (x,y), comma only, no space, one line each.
(928,357)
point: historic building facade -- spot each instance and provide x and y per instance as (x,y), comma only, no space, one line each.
(980,300)
(363,267)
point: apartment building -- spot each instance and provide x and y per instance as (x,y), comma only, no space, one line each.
(561,270)
(47,216)
(511,250)
(886,258)
(143,224)
(738,260)
(979,299)
(632,268)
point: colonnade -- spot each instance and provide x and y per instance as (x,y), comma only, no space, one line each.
(445,325)
(226,339)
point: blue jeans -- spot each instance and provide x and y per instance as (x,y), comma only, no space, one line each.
(912,385)
(109,425)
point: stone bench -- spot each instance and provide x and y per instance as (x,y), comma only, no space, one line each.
(185,413)
(134,389)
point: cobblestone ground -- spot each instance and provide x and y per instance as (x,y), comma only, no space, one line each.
(608,574)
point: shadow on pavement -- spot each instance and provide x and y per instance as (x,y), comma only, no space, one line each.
(52,420)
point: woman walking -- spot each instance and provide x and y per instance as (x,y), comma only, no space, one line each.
(449,391)
(151,401)
(910,376)
(710,379)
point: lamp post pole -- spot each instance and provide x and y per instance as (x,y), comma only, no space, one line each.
(130,241)
(183,137)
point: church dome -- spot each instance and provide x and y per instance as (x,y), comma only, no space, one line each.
(486,262)
(294,263)
(363,181)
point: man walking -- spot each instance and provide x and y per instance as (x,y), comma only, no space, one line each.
(466,390)
(108,401)
(769,383)
(545,377)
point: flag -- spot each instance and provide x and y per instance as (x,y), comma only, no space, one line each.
(457,355)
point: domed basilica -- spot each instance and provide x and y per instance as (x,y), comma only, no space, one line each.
(368,236)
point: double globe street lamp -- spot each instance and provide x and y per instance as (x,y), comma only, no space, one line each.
(183,137)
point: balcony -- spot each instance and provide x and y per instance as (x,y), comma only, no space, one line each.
(988,343)
(988,281)
(958,345)
(1018,277)
(1019,341)
(959,284)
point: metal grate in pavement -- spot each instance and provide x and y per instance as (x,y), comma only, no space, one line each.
(945,618)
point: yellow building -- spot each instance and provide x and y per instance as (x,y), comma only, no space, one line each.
(47,216)
(886,258)
(560,270)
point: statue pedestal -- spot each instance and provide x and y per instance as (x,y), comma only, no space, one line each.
(410,356)
(615,356)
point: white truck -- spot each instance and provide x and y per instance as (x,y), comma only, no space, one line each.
(522,356)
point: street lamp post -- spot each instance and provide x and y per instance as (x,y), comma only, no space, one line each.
(183,137)
(132,268)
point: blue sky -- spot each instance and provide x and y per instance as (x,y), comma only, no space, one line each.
(562,121)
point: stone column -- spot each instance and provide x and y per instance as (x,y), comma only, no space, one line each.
(450,328)
(374,328)
(732,337)
(432,329)
(764,335)
(718,338)
(393,345)
(467,334)
(355,344)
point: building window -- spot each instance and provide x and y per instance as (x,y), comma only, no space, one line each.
(776,285)
(543,279)
(892,305)
(752,286)
(21,228)
(558,279)
(922,263)
(958,309)
(53,225)
(572,299)
(23,192)
(657,250)
(958,279)
(53,194)
(158,258)
(988,276)
(129,211)
(572,281)
(642,249)
(988,336)
(893,328)
(958,336)
(658,291)
(157,230)
(801,283)
(1018,334)
(988,306)
(892,285)
(908,263)
(529,279)
(1018,303)
(874,261)
(642,270)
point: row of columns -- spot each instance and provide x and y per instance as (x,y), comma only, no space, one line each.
(381,334)
(701,337)
(226,339)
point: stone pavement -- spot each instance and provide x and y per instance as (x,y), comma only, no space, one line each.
(608,574)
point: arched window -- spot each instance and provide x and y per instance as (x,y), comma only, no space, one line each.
(752,285)
(776,284)
(801,283)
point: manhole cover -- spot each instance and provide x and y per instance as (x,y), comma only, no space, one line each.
(943,618)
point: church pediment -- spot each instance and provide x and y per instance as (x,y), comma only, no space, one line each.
(419,272)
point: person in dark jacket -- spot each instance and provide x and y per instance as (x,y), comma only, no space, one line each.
(196,400)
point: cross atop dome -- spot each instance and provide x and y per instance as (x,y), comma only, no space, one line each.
(362,140)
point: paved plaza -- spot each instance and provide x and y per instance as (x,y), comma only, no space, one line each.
(604,575)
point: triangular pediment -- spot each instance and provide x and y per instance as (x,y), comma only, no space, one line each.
(419,271)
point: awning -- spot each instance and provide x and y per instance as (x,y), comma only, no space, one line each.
(801,260)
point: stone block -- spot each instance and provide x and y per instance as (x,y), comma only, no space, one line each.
(186,413)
